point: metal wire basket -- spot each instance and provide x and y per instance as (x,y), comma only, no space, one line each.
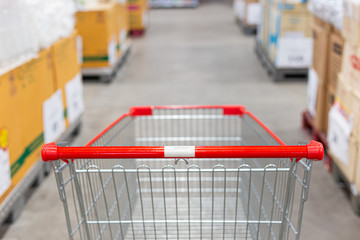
(200,172)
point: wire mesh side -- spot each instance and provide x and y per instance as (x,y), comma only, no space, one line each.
(204,199)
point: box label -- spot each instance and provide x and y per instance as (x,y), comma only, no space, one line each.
(79,48)
(74,98)
(294,52)
(312,88)
(5,172)
(339,131)
(53,117)
(253,13)
(240,9)
(112,52)
(122,37)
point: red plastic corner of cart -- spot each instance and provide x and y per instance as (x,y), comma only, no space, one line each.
(49,152)
(234,110)
(315,150)
(141,111)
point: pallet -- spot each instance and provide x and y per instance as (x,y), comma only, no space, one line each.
(344,183)
(279,74)
(137,33)
(246,29)
(107,74)
(330,164)
(15,202)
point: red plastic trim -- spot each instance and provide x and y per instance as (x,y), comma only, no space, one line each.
(313,151)
(49,152)
(141,111)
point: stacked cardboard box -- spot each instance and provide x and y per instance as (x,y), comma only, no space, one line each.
(97,27)
(248,12)
(285,33)
(344,115)
(318,78)
(33,108)
(138,15)
(104,32)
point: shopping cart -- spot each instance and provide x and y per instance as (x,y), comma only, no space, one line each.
(199,172)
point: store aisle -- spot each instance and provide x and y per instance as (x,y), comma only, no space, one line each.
(196,57)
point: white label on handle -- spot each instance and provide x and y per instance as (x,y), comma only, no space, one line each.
(179,151)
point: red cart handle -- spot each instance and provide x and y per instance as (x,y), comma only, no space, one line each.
(314,150)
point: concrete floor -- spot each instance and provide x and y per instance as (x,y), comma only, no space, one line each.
(196,57)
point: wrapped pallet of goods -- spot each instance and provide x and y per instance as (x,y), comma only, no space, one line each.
(344,115)
(103,28)
(33,103)
(138,16)
(262,27)
(284,42)
(247,14)
(290,43)
(174,3)
(327,59)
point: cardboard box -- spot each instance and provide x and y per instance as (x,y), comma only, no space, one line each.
(68,77)
(290,41)
(248,11)
(36,84)
(262,28)
(357,168)
(321,35)
(99,31)
(348,166)
(336,47)
(138,14)
(24,91)
(316,99)
(329,101)
(11,145)
(341,141)
(351,66)
(350,101)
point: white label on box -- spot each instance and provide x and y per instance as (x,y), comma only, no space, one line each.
(145,18)
(339,131)
(74,98)
(122,37)
(294,52)
(122,1)
(5,172)
(240,10)
(253,13)
(112,52)
(53,117)
(312,88)
(79,48)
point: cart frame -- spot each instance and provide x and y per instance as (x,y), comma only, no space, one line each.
(254,185)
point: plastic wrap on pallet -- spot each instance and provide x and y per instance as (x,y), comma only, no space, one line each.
(52,19)
(173,3)
(331,11)
(17,37)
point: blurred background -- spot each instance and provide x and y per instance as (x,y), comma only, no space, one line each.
(69,68)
